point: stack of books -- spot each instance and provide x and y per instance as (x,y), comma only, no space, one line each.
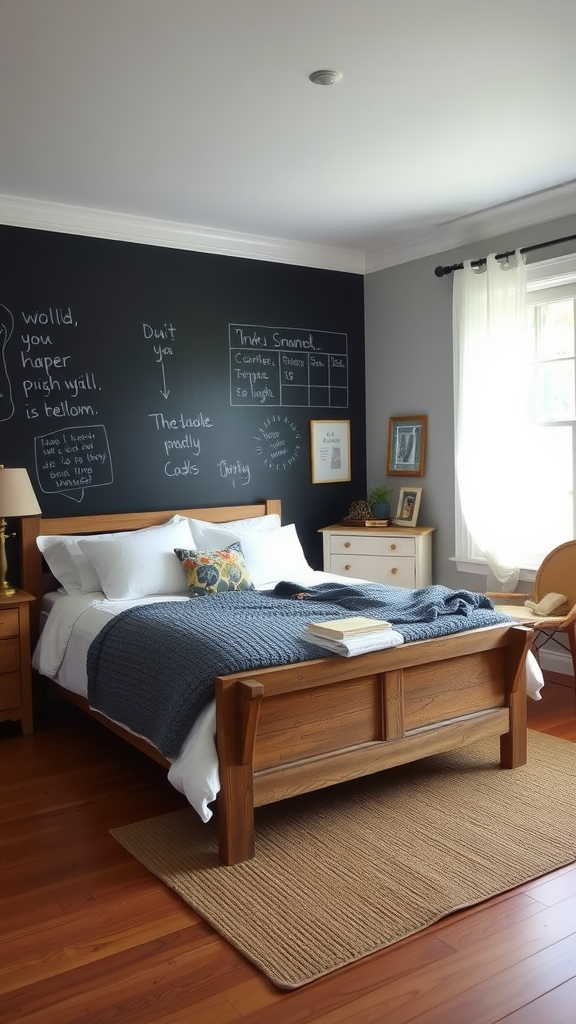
(341,629)
(355,634)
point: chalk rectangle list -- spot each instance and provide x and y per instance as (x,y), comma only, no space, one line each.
(274,366)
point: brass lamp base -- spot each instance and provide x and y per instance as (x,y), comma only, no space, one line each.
(6,590)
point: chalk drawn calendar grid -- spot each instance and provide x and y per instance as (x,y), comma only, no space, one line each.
(287,367)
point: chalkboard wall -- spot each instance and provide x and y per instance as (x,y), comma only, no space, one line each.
(139,377)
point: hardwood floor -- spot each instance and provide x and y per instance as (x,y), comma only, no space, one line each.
(88,935)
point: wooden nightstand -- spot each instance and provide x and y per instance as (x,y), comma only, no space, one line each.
(15,670)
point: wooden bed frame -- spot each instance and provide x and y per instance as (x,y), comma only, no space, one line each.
(297,728)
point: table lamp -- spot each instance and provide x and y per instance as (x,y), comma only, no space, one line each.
(17,498)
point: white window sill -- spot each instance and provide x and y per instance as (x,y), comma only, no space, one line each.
(479,566)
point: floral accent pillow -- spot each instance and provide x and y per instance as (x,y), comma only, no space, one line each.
(215,572)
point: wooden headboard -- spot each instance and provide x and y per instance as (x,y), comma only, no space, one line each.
(32,576)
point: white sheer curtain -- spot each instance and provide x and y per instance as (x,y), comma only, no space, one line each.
(495,483)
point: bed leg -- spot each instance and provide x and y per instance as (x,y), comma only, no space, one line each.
(235,809)
(513,752)
(513,744)
(237,712)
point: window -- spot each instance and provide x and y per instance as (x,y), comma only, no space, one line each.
(551,399)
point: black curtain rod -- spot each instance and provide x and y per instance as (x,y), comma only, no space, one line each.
(442,271)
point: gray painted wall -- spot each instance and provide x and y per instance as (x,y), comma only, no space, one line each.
(409,371)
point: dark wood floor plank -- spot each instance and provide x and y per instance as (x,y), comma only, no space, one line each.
(511,990)
(87,886)
(486,920)
(56,946)
(555,1007)
(262,1004)
(558,887)
(186,958)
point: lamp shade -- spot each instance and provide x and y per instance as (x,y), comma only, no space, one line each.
(17,496)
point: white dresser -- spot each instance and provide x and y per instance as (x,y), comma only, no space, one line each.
(399,556)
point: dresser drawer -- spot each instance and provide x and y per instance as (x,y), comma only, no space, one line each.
(15,674)
(10,691)
(10,655)
(395,572)
(364,545)
(8,622)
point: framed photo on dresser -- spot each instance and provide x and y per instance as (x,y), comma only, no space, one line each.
(408,506)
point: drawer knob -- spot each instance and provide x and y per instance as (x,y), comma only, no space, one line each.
(347,567)
(346,543)
(394,570)
(392,547)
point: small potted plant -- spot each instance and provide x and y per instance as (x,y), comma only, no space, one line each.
(379,503)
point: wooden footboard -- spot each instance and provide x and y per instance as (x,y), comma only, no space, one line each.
(294,729)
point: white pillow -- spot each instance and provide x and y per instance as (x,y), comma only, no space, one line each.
(139,563)
(270,555)
(236,526)
(67,563)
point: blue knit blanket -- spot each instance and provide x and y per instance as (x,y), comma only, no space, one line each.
(152,667)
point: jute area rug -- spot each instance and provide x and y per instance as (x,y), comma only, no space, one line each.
(346,871)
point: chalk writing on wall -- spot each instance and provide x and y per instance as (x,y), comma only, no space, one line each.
(238,473)
(287,367)
(69,460)
(181,434)
(278,442)
(53,387)
(181,441)
(162,347)
(6,328)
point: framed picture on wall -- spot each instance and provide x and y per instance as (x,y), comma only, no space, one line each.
(407,445)
(330,451)
(408,506)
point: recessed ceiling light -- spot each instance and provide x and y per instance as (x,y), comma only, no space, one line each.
(325,77)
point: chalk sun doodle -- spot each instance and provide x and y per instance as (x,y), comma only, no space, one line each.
(278,442)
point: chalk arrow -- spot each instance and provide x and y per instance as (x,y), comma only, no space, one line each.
(163,390)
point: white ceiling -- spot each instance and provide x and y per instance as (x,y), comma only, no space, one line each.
(200,114)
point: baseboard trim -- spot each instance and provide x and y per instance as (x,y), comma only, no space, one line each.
(556,662)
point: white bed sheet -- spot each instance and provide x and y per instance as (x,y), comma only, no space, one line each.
(72,624)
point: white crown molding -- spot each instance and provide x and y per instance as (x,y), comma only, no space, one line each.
(396,249)
(528,211)
(18,211)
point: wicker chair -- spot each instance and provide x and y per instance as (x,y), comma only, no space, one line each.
(556,575)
